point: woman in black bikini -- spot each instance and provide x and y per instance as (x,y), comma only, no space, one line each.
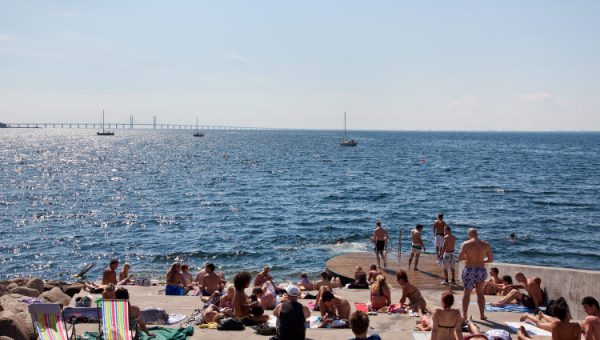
(446,322)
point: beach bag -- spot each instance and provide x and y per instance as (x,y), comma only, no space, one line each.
(83,302)
(230,324)
(143,281)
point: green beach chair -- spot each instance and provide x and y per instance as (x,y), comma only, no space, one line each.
(48,322)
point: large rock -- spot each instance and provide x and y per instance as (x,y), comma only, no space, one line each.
(11,285)
(3,290)
(37,284)
(19,281)
(28,325)
(10,302)
(11,325)
(25,291)
(72,289)
(56,295)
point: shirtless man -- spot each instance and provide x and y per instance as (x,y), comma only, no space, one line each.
(448,257)
(262,277)
(379,238)
(241,303)
(110,274)
(561,327)
(211,282)
(491,285)
(532,301)
(334,306)
(591,324)
(438,235)
(201,274)
(476,253)
(417,245)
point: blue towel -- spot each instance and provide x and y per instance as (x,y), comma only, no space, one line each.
(514,308)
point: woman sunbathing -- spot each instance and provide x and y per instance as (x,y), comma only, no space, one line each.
(380,294)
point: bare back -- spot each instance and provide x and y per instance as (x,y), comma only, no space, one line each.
(438,226)
(565,330)
(449,243)
(476,253)
(240,304)
(380,234)
(416,237)
(109,276)
(446,323)
(591,324)
(535,291)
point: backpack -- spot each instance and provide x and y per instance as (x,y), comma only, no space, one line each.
(230,324)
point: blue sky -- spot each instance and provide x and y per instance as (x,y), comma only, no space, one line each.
(392,65)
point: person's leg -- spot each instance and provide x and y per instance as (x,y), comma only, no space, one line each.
(540,324)
(473,328)
(412,254)
(453,274)
(384,258)
(522,334)
(480,299)
(378,261)
(465,302)
(512,295)
(417,261)
(446,275)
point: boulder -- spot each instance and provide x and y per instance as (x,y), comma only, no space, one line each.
(28,325)
(3,290)
(56,295)
(10,302)
(11,286)
(37,284)
(12,326)
(19,281)
(25,291)
(2,337)
(72,289)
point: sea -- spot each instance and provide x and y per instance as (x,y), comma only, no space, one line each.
(287,199)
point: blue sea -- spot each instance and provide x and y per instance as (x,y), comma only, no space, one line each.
(245,199)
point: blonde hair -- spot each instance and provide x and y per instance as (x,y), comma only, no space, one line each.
(380,284)
(358,269)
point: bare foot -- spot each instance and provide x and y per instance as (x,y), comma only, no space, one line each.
(483,317)
(522,333)
(523,317)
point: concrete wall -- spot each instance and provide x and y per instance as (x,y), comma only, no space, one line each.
(572,284)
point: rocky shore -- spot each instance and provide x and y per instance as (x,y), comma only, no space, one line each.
(15,322)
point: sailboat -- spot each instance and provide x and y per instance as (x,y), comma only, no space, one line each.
(104,132)
(346,141)
(198,133)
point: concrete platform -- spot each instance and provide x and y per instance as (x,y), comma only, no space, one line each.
(429,275)
(398,326)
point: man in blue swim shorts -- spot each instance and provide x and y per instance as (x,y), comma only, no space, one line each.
(476,253)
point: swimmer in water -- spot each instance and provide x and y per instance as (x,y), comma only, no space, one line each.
(513,236)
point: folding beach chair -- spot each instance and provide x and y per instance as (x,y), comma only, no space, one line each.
(48,323)
(115,320)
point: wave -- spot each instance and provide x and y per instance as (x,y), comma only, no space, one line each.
(562,204)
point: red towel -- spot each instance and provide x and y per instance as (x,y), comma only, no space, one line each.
(311,305)
(361,307)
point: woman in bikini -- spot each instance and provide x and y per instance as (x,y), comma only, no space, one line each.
(380,294)
(445,323)
(174,281)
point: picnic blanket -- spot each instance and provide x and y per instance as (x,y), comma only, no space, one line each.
(514,308)
(161,333)
(315,322)
(421,335)
(531,329)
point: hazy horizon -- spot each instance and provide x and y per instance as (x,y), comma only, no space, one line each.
(392,66)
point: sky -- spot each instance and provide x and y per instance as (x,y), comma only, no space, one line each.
(391,65)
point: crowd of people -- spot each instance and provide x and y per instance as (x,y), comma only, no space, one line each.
(445,322)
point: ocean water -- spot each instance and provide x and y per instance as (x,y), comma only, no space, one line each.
(282,198)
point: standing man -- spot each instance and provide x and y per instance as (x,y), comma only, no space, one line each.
(448,258)
(379,238)
(291,316)
(438,235)
(417,245)
(476,253)
(109,275)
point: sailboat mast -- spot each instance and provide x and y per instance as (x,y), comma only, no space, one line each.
(196,124)
(345,130)
(102,121)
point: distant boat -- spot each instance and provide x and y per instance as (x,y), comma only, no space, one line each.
(198,133)
(104,132)
(346,141)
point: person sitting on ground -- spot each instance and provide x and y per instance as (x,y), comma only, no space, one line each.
(334,307)
(134,311)
(591,324)
(325,281)
(227,299)
(200,274)
(255,302)
(532,301)
(212,313)
(188,278)
(373,272)
(124,277)
(109,292)
(490,288)
(304,283)
(446,322)
(241,302)
(291,316)
(562,328)
(109,275)
(360,279)
(380,294)
(359,322)
(174,281)
(410,292)
(211,282)
(268,300)
(262,277)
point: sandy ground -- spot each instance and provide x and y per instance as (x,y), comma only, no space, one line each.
(398,326)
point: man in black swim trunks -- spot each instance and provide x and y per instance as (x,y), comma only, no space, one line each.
(380,237)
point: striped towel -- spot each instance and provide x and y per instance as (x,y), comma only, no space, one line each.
(514,308)
(115,319)
(531,329)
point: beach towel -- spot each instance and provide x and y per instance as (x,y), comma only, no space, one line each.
(311,305)
(361,307)
(421,335)
(315,322)
(161,333)
(531,329)
(514,308)
(175,318)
